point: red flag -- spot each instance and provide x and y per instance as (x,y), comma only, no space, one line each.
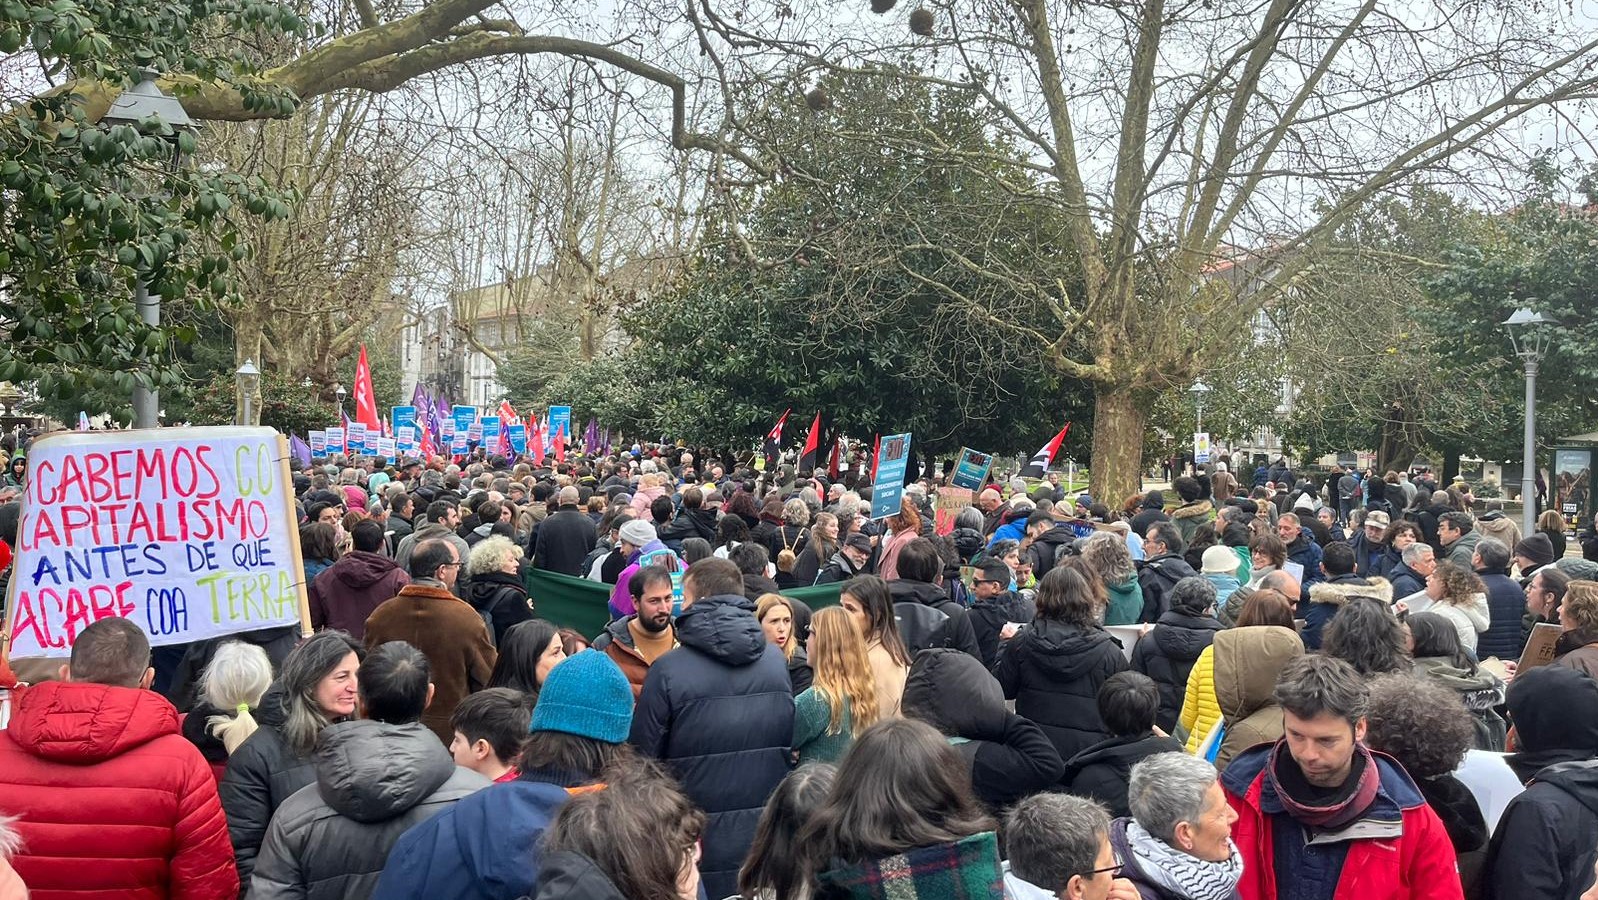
(832,464)
(776,430)
(807,457)
(1045,455)
(876,452)
(426,447)
(536,440)
(365,403)
(507,413)
(559,443)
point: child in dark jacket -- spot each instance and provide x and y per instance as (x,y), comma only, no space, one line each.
(1128,702)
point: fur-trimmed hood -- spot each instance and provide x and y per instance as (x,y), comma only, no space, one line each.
(1196,509)
(1336,593)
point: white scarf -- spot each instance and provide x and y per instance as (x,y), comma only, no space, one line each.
(1183,873)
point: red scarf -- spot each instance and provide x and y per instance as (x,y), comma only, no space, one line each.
(1326,809)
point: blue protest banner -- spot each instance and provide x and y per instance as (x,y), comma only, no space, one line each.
(888,489)
(490,431)
(403,416)
(560,417)
(972,469)
(518,438)
(463,417)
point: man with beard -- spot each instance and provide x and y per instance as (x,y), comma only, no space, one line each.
(634,642)
(1322,815)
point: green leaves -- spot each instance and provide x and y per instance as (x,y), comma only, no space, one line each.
(91,211)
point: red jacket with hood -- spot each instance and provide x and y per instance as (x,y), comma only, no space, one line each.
(112,801)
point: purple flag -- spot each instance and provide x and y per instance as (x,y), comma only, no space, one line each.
(300,450)
(591,436)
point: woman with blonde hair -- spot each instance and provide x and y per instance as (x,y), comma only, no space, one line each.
(232,687)
(1106,554)
(1552,524)
(842,701)
(775,614)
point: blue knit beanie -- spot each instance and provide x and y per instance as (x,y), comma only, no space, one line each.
(586,695)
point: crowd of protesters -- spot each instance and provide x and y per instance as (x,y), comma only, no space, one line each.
(1301,688)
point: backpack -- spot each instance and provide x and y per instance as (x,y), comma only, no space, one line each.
(786,557)
(488,613)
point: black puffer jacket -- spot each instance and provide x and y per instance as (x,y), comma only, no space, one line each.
(690,523)
(969,542)
(1053,671)
(564,875)
(988,618)
(927,618)
(718,711)
(261,774)
(1157,577)
(1046,549)
(1167,655)
(373,782)
(1153,511)
(1104,770)
(1008,757)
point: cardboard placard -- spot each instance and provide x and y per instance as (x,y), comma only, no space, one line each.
(188,532)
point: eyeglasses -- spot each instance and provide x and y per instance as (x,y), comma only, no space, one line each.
(453,565)
(1114,870)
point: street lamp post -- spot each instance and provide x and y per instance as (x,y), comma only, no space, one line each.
(1528,334)
(133,106)
(341,393)
(1198,390)
(249,381)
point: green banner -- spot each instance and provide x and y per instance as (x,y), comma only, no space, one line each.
(584,605)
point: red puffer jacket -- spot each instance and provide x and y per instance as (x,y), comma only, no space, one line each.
(112,800)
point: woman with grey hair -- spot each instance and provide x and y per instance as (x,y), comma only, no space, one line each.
(232,686)
(967,534)
(495,588)
(1178,843)
(316,689)
(1107,554)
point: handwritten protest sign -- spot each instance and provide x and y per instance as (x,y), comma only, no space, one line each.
(948,505)
(187,532)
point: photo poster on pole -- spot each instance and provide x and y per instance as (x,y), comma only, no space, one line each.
(518,438)
(948,505)
(972,470)
(888,488)
(560,417)
(318,440)
(189,533)
(1201,448)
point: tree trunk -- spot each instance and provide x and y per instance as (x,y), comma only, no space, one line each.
(1120,413)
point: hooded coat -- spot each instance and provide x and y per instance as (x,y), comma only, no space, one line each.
(346,592)
(928,618)
(988,618)
(1327,597)
(1480,691)
(718,711)
(111,800)
(1189,516)
(1053,671)
(1543,845)
(374,781)
(1168,653)
(1153,511)
(690,523)
(486,846)
(1046,547)
(1157,577)
(1125,602)
(572,876)
(1104,770)
(1247,664)
(1007,756)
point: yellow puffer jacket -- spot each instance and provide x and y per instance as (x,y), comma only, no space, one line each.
(1200,709)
